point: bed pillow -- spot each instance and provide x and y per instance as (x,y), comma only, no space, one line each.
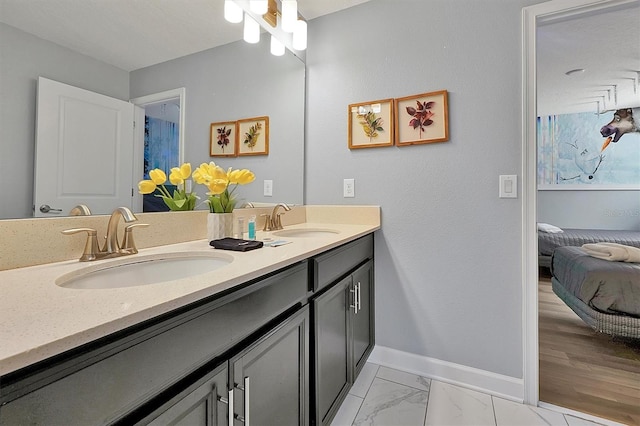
(545,227)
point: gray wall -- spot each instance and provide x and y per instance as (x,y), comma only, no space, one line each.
(233,82)
(24,58)
(590,209)
(448,274)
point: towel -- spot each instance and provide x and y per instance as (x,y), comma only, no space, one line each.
(545,227)
(235,244)
(613,252)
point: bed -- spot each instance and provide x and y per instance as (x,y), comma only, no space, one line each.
(548,241)
(604,294)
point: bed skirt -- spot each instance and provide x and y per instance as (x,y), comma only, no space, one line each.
(615,325)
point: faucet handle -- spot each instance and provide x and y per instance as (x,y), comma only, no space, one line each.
(267,222)
(277,221)
(128,245)
(91,248)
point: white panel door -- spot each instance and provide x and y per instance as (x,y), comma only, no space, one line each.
(84,150)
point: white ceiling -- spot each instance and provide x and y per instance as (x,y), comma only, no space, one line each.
(134,34)
(606,45)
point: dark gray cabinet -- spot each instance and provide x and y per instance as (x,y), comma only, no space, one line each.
(203,403)
(331,354)
(258,354)
(343,325)
(112,380)
(267,384)
(271,377)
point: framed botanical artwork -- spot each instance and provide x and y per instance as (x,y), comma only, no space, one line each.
(253,136)
(371,124)
(422,118)
(222,139)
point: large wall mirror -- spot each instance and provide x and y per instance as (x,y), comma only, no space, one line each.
(230,82)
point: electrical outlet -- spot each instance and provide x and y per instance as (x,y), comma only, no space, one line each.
(349,188)
(268,188)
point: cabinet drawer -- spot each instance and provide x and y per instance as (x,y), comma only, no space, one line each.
(123,374)
(330,266)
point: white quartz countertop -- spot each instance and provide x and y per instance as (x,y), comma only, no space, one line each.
(39,319)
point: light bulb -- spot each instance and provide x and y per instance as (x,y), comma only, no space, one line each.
(300,35)
(277,48)
(251,30)
(232,12)
(259,7)
(289,15)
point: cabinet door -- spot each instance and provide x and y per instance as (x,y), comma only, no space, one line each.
(200,404)
(271,377)
(363,317)
(331,349)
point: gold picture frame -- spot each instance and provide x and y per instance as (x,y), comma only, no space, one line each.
(223,139)
(422,118)
(253,136)
(371,124)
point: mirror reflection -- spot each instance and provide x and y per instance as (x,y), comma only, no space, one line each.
(227,83)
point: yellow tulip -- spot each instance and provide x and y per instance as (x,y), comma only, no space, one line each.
(200,174)
(185,170)
(217,186)
(146,186)
(241,177)
(175,177)
(158,176)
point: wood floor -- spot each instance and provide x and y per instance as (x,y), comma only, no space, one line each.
(583,370)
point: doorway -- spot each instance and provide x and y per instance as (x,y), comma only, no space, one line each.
(532,16)
(161,145)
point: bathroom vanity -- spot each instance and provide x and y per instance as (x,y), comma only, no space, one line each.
(276,337)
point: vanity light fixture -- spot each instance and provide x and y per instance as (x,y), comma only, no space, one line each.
(232,12)
(277,48)
(289,15)
(251,30)
(300,35)
(259,7)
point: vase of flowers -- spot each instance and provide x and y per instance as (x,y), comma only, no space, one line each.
(221,186)
(182,199)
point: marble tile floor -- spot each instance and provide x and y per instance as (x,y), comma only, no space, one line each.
(385,397)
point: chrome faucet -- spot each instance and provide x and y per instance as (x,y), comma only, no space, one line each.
(111,246)
(276,222)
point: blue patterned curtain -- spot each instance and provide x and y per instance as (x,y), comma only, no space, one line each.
(161,145)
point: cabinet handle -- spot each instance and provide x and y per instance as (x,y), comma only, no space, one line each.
(228,401)
(358,297)
(245,417)
(354,291)
(246,401)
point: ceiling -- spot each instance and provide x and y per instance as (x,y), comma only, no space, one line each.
(135,34)
(606,45)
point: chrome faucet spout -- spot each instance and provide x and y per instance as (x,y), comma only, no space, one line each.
(111,244)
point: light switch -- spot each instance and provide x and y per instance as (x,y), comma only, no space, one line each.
(508,186)
(268,188)
(349,190)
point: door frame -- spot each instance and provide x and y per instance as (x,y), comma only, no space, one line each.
(531,16)
(138,141)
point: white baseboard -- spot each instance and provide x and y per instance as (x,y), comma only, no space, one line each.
(506,387)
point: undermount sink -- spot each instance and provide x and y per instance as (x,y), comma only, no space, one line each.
(308,232)
(143,270)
